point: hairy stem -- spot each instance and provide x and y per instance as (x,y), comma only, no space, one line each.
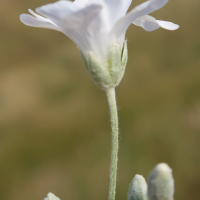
(114,149)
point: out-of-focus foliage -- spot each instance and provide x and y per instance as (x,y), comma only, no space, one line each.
(54,121)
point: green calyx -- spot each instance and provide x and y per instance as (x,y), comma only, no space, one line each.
(107,74)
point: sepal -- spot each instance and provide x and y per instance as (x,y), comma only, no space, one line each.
(109,72)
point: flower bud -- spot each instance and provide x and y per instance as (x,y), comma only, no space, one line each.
(161,183)
(138,189)
(109,72)
(51,196)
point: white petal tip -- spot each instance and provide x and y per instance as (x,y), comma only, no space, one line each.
(176,26)
(22,18)
(168,25)
(27,20)
(31,11)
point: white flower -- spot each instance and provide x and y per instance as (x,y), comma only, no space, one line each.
(51,196)
(97,27)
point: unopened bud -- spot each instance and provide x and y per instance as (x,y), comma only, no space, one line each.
(161,183)
(138,189)
(51,196)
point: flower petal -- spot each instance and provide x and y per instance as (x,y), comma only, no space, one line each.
(168,25)
(84,27)
(115,9)
(57,10)
(145,8)
(112,9)
(41,18)
(83,3)
(32,21)
(149,23)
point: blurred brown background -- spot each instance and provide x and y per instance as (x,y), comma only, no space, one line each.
(54,121)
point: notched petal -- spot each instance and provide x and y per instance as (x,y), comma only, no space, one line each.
(41,18)
(32,21)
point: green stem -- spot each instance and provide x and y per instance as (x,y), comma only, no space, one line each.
(114,149)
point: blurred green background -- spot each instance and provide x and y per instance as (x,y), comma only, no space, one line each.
(54,121)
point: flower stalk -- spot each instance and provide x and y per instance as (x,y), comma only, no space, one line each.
(115,143)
